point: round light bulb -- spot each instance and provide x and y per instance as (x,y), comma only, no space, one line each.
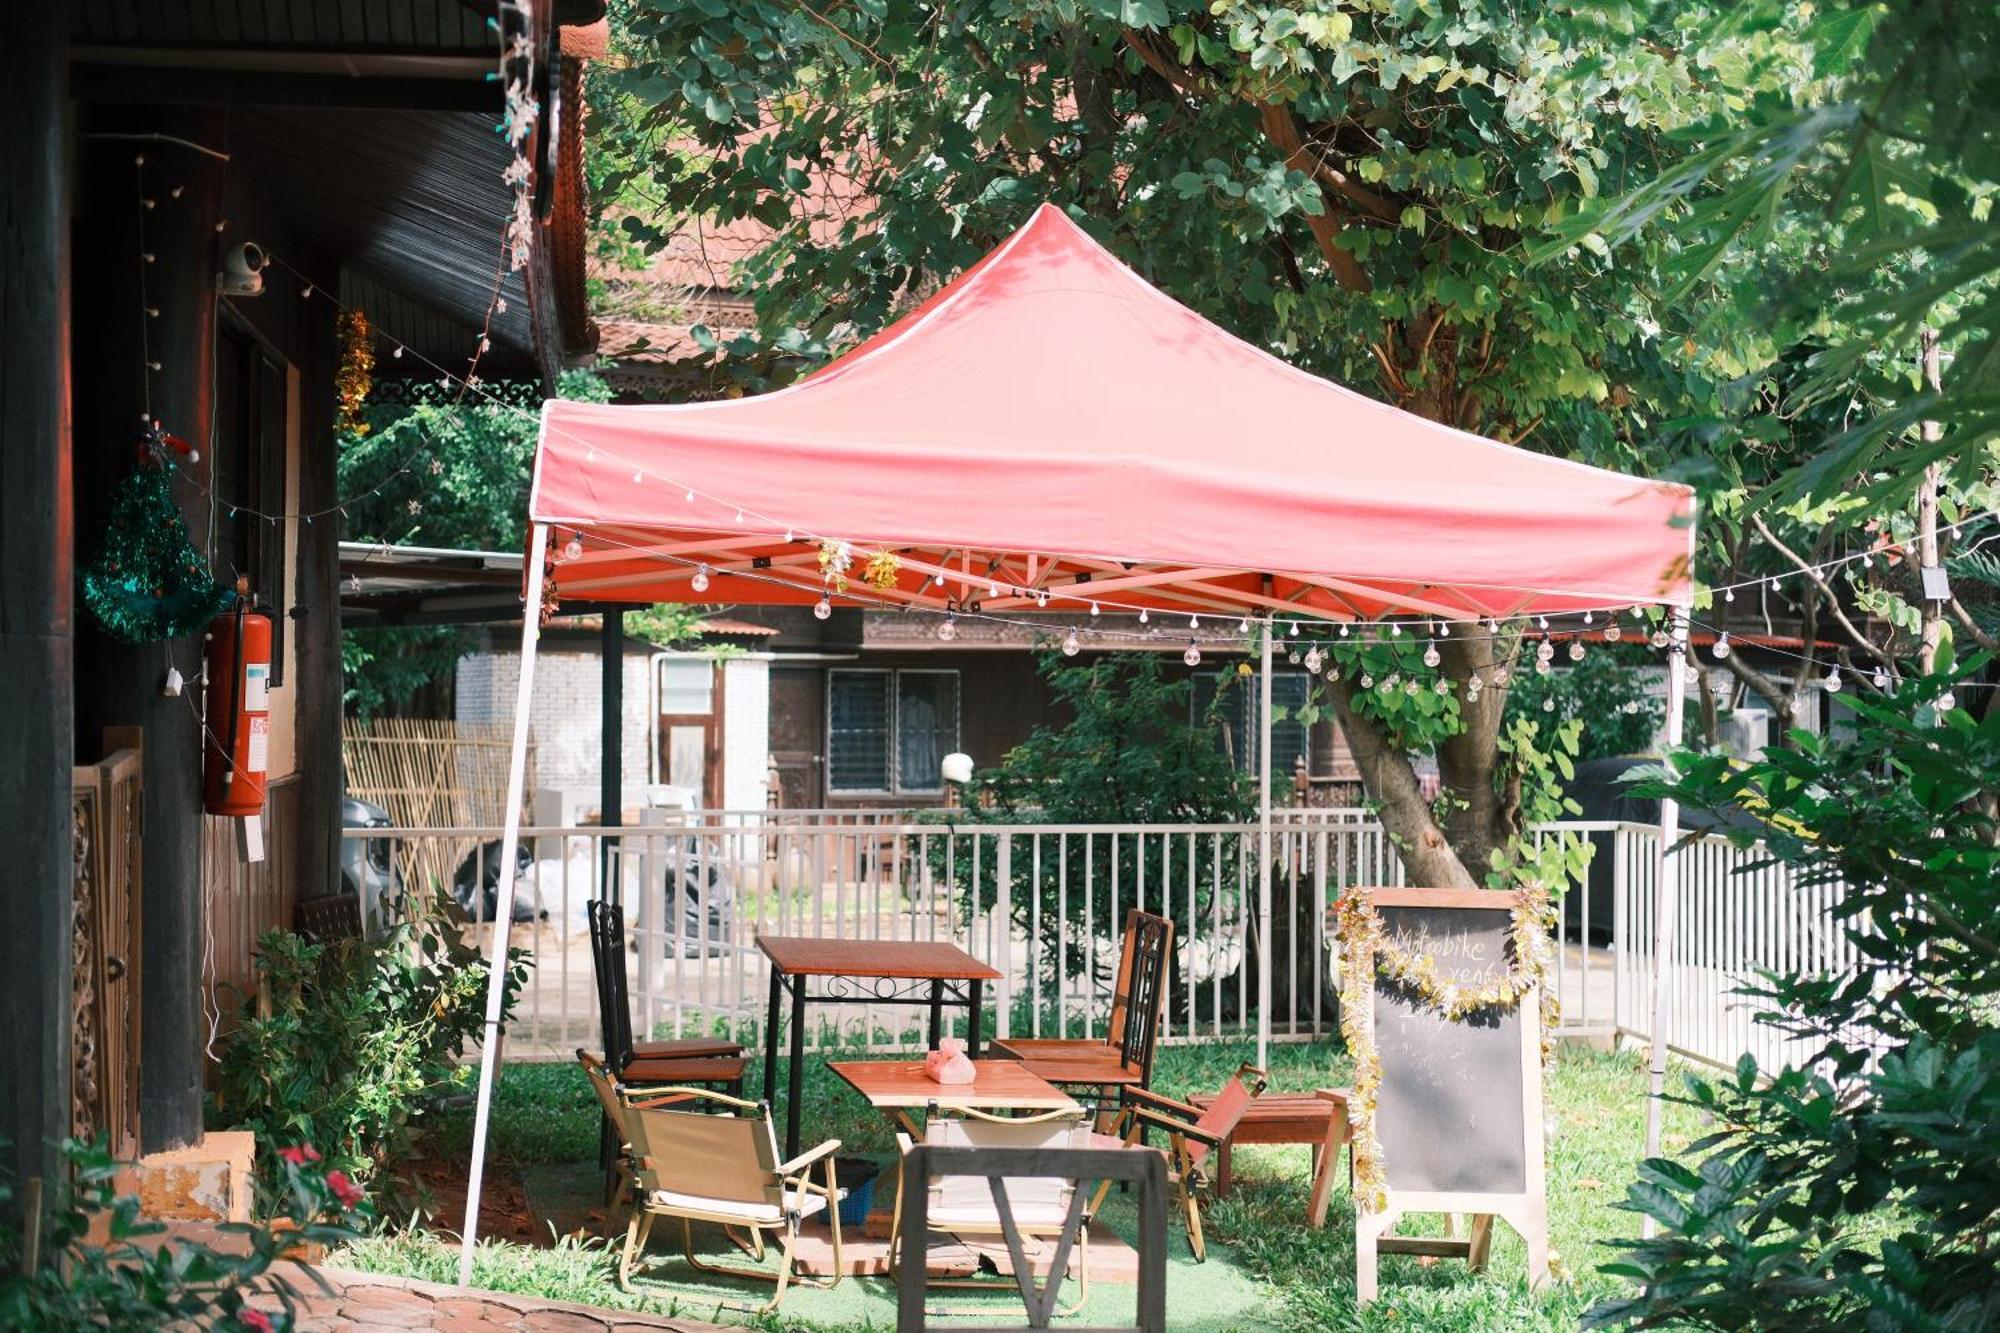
(1093,609)
(1612,633)
(573,548)
(1501,674)
(1881,680)
(1143,617)
(1194,622)
(948,628)
(1832,681)
(1343,629)
(1660,639)
(1946,702)
(1071,645)
(822,609)
(1722,647)
(1193,654)
(1432,656)
(1313,659)
(1549,704)
(1576,650)
(1295,628)
(700,580)
(1367,681)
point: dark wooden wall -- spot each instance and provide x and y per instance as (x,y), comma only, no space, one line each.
(35,592)
(243,901)
(218,206)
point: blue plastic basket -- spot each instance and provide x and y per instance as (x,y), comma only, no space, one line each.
(860,1197)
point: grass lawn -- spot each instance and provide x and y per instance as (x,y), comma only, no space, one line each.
(1265,1270)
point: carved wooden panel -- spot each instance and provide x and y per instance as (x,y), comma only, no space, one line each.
(104,952)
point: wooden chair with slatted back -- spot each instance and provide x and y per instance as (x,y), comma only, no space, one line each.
(1123,1057)
(715,1060)
(701,1156)
(1194,1134)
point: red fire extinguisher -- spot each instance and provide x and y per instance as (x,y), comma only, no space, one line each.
(239,711)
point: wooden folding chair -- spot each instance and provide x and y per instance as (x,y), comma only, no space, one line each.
(1193,1134)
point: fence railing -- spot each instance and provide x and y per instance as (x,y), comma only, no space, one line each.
(1044,904)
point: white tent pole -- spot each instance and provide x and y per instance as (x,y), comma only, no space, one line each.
(1264,851)
(503,913)
(1666,887)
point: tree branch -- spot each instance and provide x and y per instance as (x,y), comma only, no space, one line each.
(1819,581)
(1979,636)
(1300,153)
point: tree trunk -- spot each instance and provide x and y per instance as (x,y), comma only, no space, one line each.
(1480,819)
(1427,853)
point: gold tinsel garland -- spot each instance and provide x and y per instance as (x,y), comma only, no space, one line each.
(1367,946)
(356,376)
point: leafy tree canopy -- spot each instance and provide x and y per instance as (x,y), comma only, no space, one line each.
(1349,185)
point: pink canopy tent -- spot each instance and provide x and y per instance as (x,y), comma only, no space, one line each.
(1052,411)
(1051,431)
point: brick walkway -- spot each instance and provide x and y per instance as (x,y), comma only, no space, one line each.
(372,1301)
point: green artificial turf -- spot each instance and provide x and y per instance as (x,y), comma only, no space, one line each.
(1266,1268)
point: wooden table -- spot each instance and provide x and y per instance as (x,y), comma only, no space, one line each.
(907,972)
(899,1086)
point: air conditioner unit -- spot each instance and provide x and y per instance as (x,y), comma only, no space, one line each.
(1746,731)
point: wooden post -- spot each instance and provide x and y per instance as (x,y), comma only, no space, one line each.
(36,580)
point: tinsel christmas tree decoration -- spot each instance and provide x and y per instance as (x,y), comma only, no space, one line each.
(147,581)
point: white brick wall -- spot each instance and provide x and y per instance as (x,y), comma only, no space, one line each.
(564,715)
(746,731)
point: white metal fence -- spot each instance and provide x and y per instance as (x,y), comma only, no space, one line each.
(698,892)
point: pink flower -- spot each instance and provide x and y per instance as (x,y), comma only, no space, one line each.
(343,1189)
(255,1320)
(300,1155)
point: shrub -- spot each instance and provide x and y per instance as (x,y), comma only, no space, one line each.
(1620,711)
(348,1042)
(1862,1188)
(75,1282)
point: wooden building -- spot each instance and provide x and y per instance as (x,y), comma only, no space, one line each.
(146,142)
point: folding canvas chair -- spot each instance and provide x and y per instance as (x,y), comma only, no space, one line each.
(1123,1057)
(964,1207)
(701,1156)
(1192,1135)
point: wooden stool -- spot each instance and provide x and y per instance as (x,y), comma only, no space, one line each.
(1315,1118)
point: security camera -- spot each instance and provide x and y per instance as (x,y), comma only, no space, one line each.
(243,270)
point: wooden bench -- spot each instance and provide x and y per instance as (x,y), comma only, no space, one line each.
(1318,1119)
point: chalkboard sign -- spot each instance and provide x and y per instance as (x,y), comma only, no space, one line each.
(1448,1114)
(1458,1114)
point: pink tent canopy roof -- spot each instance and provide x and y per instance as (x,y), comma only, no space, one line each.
(1051,426)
